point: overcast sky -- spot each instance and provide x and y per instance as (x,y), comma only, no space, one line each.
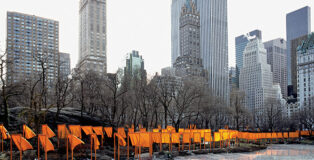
(145,25)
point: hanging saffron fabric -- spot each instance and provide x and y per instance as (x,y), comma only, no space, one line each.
(175,138)
(108,131)
(45,142)
(88,130)
(62,131)
(75,130)
(121,132)
(74,141)
(47,131)
(21,143)
(27,132)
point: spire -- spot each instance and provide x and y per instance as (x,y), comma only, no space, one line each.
(188,5)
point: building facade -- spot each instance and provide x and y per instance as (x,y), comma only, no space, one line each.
(32,46)
(232,78)
(277,58)
(294,74)
(135,65)
(256,78)
(298,23)
(65,64)
(189,62)
(240,43)
(213,40)
(305,69)
(93,36)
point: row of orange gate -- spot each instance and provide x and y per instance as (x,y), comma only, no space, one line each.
(72,134)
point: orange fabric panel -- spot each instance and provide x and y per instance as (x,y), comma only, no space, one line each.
(222,130)
(274,135)
(225,135)
(131,130)
(145,139)
(156,130)
(294,134)
(164,130)
(279,135)
(175,138)
(305,133)
(268,135)
(74,141)
(169,128)
(121,132)
(197,137)
(181,130)
(121,140)
(159,127)
(28,133)
(217,136)
(156,136)
(62,131)
(208,137)
(4,132)
(98,130)
(47,131)
(233,134)
(75,130)
(285,135)
(165,137)
(135,138)
(108,131)
(143,130)
(46,143)
(95,141)
(21,143)
(88,130)
(186,137)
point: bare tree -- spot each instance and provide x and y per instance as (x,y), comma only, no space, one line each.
(237,106)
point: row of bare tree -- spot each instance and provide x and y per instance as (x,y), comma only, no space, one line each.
(120,99)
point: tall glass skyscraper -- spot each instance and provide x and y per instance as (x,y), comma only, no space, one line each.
(298,23)
(93,36)
(213,40)
(240,43)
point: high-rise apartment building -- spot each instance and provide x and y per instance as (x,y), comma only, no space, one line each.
(93,36)
(298,23)
(32,47)
(189,62)
(240,43)
(213,40)
(65,64)
(277,58)
(256,78)
(305,70)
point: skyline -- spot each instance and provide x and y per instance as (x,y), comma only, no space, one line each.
(138,31)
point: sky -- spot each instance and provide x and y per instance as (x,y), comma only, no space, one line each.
(145,25)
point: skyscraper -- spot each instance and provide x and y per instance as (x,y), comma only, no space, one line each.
(240,43)
(93,36)
(189,62)
(256,78)
(277,58)
(32,46)
(213,40)
(65,64)
(298,23)
(305,69)
(135,65)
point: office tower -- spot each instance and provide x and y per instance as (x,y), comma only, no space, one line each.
(93,36)
(298,23)
(168,71)
(240,43)
(189,63)
(277,58)
(65,64)
(292,89)
(32,47)
(256,78)
(305,70)
(135,66)
(232,78)
(213,40)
